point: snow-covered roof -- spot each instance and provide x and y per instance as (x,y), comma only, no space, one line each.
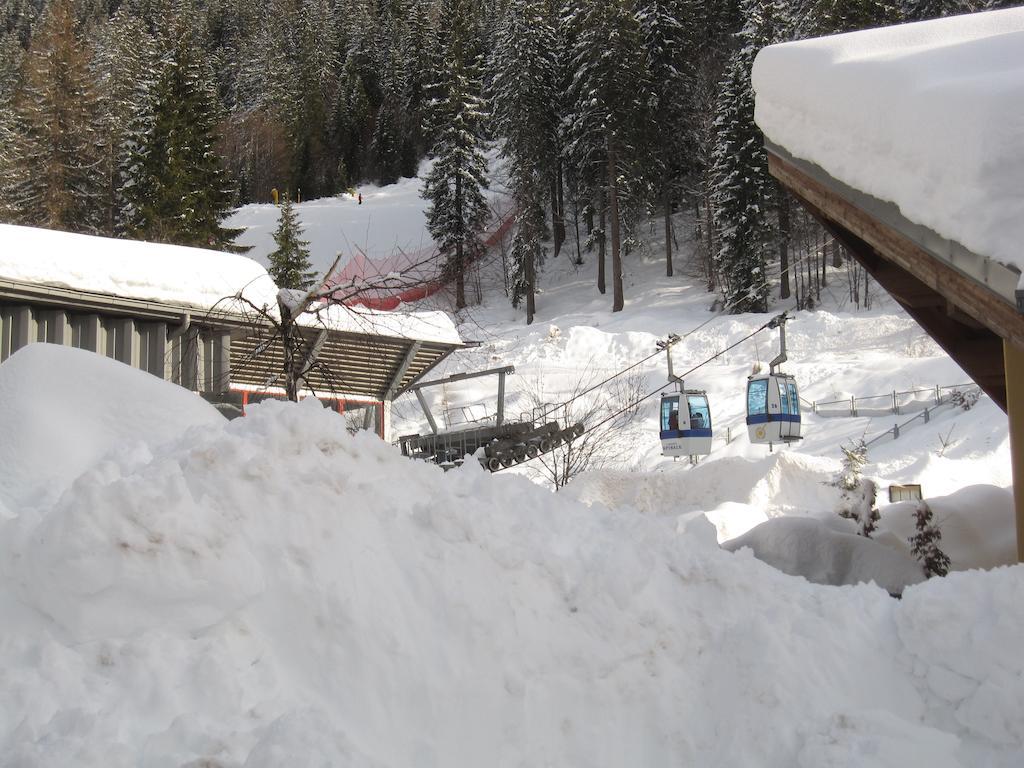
(926,115)
(423,326)
(187,277)
(174,274)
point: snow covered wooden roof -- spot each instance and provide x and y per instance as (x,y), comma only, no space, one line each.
(925,116)
(365,353)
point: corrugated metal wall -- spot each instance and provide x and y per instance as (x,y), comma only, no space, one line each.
(198,358)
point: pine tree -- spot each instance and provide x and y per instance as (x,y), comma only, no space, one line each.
(416,42)
(667,47)
(289,263)
(58,145)
(857,501)
(525,116)
(457,211)
(125,72)
(609,109)
(744,190)
(178,190)
(11,55)
(925,544)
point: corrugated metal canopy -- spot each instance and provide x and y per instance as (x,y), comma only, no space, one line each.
(374,367)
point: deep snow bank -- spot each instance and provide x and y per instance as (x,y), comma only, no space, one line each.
(275,591)
(63,409)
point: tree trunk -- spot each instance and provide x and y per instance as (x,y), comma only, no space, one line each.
(785,236)
(709,237)
(601,239)
(557,225)
(667,201)
(576,224)
(560,198)
(613,214)
(530,285)
(460,276)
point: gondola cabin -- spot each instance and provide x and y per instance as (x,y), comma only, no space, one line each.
(773,408)
(685,424)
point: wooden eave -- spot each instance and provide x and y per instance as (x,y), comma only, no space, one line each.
(966,302)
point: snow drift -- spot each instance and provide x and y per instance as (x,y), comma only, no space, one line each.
(274,591)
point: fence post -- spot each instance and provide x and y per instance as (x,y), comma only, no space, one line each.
(895,431)
(814,406)
(927,416)
(853,405)
(938,397)
(895,405)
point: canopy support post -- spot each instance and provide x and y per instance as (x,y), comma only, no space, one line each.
(1013,361)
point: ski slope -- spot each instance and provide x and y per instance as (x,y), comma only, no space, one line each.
(176,589)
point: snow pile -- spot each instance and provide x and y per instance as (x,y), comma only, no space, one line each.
(273,591)
(802,546)
(63,409)
(924,115)
(191,277)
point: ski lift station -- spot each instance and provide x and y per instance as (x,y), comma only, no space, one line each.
(204,319)
(905,143)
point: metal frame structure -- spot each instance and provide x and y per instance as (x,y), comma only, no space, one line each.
(503,444)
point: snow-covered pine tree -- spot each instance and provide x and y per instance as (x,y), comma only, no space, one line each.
(857,501)
(668,48)
(457,210)
(58,145)
(125,71)
(608,97)
(524,111)
(289,263)
(925,544)
(178,190)
(11,55)
(849,15)
(744,190)
(386,145)
(415,45)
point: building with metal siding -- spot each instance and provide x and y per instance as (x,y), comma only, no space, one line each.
(226,355)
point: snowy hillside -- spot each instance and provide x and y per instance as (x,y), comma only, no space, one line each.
(181,590)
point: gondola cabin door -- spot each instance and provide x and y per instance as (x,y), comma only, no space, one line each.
(685,424)
(773,408)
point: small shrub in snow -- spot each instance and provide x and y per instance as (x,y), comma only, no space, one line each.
(857,502)
(924,544)
(965,399)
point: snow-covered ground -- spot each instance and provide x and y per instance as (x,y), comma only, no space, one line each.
(180,590)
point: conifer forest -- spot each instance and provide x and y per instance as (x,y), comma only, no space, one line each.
(152,119)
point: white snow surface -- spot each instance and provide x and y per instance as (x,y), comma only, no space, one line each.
(63,409)
(390,220)
(273,590)
(180,590)
(191,277)
(925,115)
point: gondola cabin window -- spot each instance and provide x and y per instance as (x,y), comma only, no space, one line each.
(669,414)
(757,397)
(700,414)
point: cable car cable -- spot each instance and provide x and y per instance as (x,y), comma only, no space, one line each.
(588,390)
(651,394)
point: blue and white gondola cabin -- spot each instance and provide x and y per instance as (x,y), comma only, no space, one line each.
(773,408)
(685,424)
